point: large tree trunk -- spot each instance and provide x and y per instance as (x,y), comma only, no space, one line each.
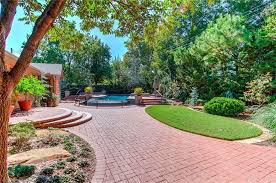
(8,10)
(8,80)
(4,119)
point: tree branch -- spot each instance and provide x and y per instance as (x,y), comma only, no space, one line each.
(41,27)
(8,10)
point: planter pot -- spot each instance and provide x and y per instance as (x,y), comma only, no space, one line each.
(138,99)
(25,105)
(67,93)
(11,110)
(51,103)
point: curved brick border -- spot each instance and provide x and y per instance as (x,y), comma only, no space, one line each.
(100,158)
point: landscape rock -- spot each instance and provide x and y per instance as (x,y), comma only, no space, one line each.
(38,155)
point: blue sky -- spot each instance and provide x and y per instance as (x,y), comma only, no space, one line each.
(20,30)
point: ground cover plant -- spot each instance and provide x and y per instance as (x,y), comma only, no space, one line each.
(201,123)
(266,116)
(78,168)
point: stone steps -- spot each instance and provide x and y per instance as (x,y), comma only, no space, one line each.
(152,101)
(69,119)
(87,117)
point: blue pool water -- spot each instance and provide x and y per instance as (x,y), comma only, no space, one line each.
(108,100)
(113,97)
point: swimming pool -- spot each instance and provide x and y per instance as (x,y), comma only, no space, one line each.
(113,97)
(109,100)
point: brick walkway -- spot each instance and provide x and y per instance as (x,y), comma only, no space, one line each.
(132,147)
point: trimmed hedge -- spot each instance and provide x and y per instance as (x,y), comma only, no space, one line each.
(224,106)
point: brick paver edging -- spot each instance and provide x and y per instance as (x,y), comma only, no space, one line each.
(100,159)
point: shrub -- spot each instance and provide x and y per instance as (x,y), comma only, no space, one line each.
(183,95)
(71,148)
(224,106)
(272,98)
(194,96)
(55,179)
(79,177)
(188,101)
(65,179)
(69,170)
(88,90)
(47,171)
(83,164)
(257,89)
(51,139)
(30,85)
(21,170)
(77,139)
(60,165)
(11,171)
(71,159)
(52,99)
(45,179)
(66,140)
(84,153)
(41,179)
(138,91)
(266,116)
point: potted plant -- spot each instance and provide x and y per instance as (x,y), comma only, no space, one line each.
(52,100)
(29,86)
(14,98)
(138,91)
(88,90)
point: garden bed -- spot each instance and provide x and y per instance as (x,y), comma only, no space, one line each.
(76,163)
(271,142)
(202,123)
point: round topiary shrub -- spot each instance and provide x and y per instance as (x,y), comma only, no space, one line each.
(224,106)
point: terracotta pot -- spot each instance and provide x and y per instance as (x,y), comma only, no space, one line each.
(51,103)
(25,105)
(11,110)
(138,99)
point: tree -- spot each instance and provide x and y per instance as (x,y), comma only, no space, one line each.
(49,52)
(132,17)
(94,60)
(221,49)
(265,44)
(138,65)
(119,73)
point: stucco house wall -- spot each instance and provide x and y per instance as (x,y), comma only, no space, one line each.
(53,72)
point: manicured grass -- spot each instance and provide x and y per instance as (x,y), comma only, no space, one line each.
(202,123)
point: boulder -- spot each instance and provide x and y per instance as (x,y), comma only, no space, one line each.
(46,133)
(38,155)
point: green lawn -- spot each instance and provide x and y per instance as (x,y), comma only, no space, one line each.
(202,123)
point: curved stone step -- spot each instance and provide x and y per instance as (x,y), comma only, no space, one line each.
(84,119)
(66,114)
(74,117)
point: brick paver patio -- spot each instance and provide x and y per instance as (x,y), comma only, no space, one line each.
(132,147)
